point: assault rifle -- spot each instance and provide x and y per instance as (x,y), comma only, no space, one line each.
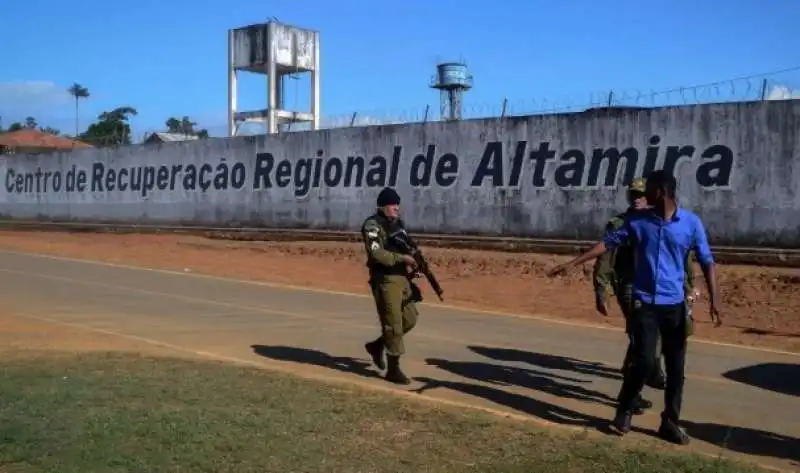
(406,244)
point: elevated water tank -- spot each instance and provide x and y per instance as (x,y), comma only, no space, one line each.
(452,75)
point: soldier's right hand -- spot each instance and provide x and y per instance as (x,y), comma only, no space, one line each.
(408,260)
(560,269)
(716,317)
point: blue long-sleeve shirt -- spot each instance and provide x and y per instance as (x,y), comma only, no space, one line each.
(660,248)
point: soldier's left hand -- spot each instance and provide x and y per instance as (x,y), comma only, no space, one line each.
(409,260)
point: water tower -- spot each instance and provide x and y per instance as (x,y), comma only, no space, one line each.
(277,51)
(452,79)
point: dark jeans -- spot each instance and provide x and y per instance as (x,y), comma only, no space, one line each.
(647,323)
(625,301)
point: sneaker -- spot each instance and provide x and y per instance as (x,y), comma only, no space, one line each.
(670,432)
(622,422)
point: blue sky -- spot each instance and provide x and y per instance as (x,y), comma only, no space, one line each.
(168,57)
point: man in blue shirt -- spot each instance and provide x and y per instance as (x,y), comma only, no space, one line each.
(661,238)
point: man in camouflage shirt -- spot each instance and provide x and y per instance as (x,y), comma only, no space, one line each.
(613,275)
(390,271)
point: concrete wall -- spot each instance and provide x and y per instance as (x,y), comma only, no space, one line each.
(542,176)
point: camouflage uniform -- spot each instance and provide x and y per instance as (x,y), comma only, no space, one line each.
(392,291)
(613,274)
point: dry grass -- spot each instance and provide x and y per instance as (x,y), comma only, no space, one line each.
(111,412)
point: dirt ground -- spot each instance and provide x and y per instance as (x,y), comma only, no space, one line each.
(759,303)
(22,336)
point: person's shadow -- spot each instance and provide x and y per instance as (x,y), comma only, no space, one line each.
(531,406)
(345,364)
(552,362)
(504,375)
(568,385)
(782,378)
(746,440)
(496,374)
(743,440)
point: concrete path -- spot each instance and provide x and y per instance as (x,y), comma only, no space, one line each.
(737,401)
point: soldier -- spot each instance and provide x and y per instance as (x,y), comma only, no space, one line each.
(390,273)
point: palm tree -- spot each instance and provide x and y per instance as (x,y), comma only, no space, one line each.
(79,92)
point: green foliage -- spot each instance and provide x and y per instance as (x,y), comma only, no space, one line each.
(79,92)
(52,131)
(110,129)
(185,126)
(30,124)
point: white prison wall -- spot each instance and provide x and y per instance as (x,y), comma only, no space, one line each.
(558,176)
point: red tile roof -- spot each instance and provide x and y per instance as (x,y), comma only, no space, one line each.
(39,139)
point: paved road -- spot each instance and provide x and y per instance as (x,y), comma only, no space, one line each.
(748,401)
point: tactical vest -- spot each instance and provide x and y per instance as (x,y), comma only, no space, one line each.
(624,255)
(387,226)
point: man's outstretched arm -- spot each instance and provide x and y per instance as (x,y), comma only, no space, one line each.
(611,240)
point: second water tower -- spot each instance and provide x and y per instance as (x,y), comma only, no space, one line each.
(452,79)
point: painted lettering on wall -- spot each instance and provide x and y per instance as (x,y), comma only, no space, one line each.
(305,174)
(581,169)
(139,179)
(499,164)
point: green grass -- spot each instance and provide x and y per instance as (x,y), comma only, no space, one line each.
(123,413)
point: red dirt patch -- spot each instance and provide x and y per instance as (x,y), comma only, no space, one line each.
(759,304)
(22,336)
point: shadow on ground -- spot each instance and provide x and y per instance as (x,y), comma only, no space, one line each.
(782,378)
(491,379)
(504,376)
(773,333)
(531,406)
(745,440)
(345,364)
(552,362)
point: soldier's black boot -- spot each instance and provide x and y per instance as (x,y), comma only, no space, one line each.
(394,374)
(375,349)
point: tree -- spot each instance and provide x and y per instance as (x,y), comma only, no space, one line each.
(52,131)
(184,126)
(31,124)
(79,92)
(110,129)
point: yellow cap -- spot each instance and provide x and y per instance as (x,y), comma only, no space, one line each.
(637,185)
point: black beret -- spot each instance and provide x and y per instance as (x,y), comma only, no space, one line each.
(388,196)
